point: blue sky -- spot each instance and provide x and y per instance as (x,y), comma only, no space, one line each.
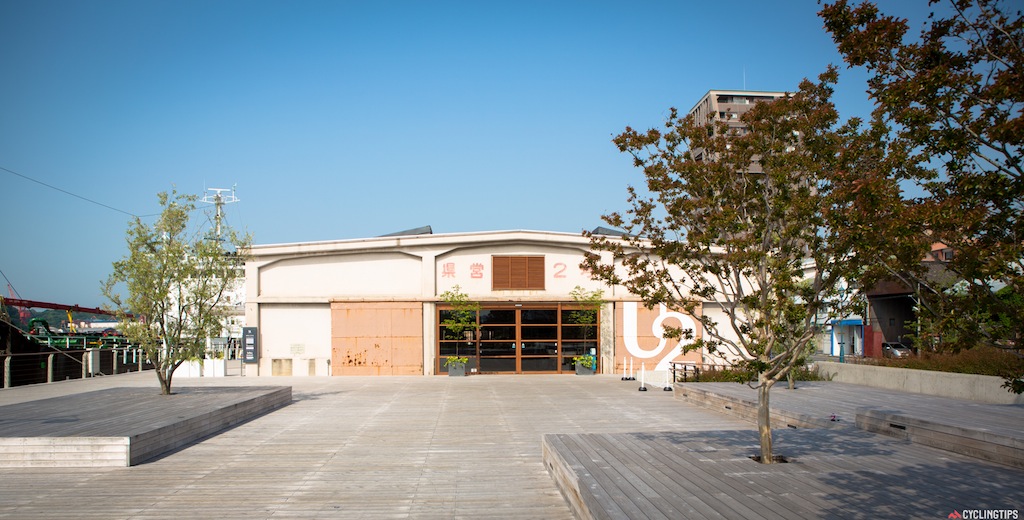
(340,119)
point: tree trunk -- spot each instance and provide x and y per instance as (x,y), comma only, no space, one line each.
(791,379)
(165,381)
(764,427)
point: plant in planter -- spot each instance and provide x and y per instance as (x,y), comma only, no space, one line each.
(589,303)
(459,322)
(456,365)
(584,365)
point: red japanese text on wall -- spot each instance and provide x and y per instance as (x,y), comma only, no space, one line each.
(448,270)
(451,270)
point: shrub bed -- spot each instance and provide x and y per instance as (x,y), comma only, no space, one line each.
(987,361)
(733,375)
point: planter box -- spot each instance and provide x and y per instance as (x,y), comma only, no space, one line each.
(457,370)
(583,371)
(189,369)
(204,368)
(215,367)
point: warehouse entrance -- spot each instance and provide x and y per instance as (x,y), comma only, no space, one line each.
(539,338)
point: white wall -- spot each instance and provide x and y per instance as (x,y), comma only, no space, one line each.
(355,274)
(724,329)
(299,332)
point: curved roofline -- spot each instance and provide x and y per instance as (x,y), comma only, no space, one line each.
(383,242)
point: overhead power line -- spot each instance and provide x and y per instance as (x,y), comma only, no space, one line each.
(75,195)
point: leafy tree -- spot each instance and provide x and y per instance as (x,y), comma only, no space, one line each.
(951,100)
(175,280)
(460,319)
(589,305)
(764,247)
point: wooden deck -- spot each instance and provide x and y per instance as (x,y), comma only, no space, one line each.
(359,447)
(480,447)
(830,475)
(124,426)
(993,432)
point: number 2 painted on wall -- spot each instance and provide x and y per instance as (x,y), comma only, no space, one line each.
(560,268)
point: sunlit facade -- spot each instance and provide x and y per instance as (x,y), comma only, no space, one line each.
(373,307)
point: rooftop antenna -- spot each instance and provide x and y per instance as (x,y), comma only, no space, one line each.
(744,78)
(217,197)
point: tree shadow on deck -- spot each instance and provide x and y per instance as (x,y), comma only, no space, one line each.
(857,474)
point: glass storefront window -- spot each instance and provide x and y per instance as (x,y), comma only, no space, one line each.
(543,348)
(489,316)
(446,334)
(573,316)
(537,338)
(567,364)
(498,348)
(539,316)
(498,333)
(542,364)
(572,349)
(579,331)
(497,364)
(539,332)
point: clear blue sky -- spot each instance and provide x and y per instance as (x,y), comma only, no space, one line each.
(343,119)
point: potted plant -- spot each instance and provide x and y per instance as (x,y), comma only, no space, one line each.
(461,321)
(584,365)
(456,365)
(589,303)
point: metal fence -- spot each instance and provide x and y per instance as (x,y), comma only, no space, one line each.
(61,364)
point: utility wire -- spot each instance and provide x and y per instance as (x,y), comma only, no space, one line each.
(9,283)
(69,193)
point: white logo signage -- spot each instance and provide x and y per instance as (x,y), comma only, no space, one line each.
(629,333)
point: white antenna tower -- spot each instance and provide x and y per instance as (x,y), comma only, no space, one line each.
(217,197)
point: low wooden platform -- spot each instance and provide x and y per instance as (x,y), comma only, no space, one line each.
(124,426)
(993,432)
(975,441)
(739,404)
(831,474)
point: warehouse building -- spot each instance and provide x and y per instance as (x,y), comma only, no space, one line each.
(373,306)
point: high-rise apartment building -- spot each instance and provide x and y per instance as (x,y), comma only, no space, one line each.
(727,106)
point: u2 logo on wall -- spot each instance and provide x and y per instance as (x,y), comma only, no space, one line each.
(630,312)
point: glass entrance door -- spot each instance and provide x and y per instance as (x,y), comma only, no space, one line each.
(538,339)
(528,338)
(519,339)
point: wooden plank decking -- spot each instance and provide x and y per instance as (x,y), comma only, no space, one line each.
(993,432)
(124,426)
(360,447)
(710,475)
(479,447)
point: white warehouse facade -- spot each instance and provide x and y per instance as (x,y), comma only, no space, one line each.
(373,307)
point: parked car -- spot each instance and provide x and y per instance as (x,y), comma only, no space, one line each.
(896,350)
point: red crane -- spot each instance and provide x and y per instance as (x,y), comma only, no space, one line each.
(27,304)
(23,313)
